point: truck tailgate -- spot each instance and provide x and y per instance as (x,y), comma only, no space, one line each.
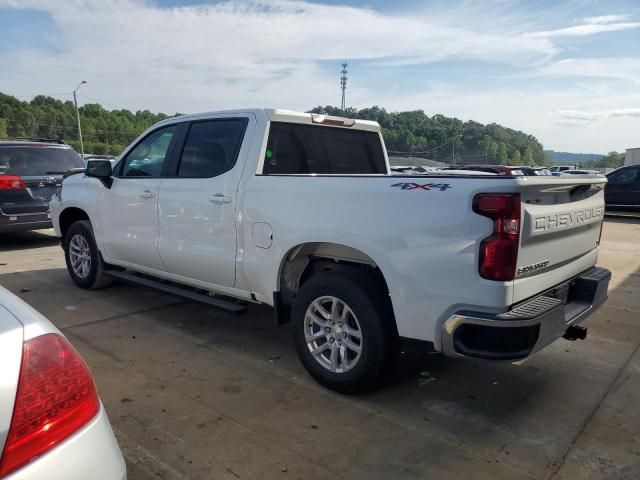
(560,231)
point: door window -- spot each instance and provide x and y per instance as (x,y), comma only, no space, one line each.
(628,175)
(147,158)
(211,148)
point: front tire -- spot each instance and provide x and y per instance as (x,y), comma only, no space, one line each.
(344,331)
(84,262)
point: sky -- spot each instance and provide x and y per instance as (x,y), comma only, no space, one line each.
(567,72)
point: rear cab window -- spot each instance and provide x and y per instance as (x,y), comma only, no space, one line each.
(294,148)
(34,161)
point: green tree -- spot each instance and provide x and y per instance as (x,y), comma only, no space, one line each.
(528,156)
(490,149)
(3,128)
(611,160)
(503,156)
(412,132)
(516,159)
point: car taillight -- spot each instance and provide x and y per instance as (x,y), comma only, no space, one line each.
(56,397)
(11,182)
(499,252)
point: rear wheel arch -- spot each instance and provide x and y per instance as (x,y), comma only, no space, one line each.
(307,259)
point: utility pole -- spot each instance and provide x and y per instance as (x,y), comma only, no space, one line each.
(453,148)
(75,100)
(453,151)
(343,84)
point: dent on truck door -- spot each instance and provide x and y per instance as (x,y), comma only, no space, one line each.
(197,206)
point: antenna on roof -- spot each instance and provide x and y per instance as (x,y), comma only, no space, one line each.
(343,83)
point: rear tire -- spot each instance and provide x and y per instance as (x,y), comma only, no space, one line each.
(344,331)
(84,262)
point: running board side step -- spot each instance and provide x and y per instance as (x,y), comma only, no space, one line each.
(180,291)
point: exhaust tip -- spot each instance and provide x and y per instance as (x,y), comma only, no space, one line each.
(575,332)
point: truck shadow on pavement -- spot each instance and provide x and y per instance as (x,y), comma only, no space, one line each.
(26,240)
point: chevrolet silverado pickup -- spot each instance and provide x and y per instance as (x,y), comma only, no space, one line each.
(300,212)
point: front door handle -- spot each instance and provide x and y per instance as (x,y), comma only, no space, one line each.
(148,194)
(219,198)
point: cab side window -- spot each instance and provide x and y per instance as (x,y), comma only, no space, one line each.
(628,175)
(211,147)
(147,157)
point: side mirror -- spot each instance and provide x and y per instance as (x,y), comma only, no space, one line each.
(100,169)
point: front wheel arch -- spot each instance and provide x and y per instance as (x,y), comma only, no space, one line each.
(96,277)
(69,216)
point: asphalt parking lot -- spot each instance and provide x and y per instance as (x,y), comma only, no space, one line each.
(195,393)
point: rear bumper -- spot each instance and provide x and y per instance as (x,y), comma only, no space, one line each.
(91,453)
(530,325)
(24,221)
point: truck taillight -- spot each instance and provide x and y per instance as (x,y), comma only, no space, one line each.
(56,397)
(499,252)
(11,182)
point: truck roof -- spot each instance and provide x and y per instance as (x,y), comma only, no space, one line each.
(290,116)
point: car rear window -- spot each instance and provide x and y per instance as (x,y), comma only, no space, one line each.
(306,149)
(31,161)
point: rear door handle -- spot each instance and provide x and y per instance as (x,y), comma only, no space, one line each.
(148,194)
(219,198)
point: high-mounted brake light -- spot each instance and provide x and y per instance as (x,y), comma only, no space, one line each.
(56,397)
(11,182)
(499,252)
(335,121)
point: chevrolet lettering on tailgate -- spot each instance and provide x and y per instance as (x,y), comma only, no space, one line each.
(569,219)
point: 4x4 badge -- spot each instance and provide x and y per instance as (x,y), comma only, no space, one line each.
(422,186)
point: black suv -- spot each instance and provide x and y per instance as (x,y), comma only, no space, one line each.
(623,188)
(31,171)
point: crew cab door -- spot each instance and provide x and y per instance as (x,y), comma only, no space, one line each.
(198,200)
(623,187)
(129,209)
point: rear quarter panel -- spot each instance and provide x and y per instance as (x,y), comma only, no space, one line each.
(423,238)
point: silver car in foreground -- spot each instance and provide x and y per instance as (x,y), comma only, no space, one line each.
(52,423)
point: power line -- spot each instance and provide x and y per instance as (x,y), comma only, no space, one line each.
(43,95)
(101,102)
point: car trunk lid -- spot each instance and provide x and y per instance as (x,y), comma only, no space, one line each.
(41,168)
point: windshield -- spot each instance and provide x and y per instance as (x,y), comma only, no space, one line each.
(30,161)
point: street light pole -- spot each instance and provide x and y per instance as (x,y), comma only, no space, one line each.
(75,101)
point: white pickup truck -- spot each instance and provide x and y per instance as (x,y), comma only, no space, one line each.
(299,211)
